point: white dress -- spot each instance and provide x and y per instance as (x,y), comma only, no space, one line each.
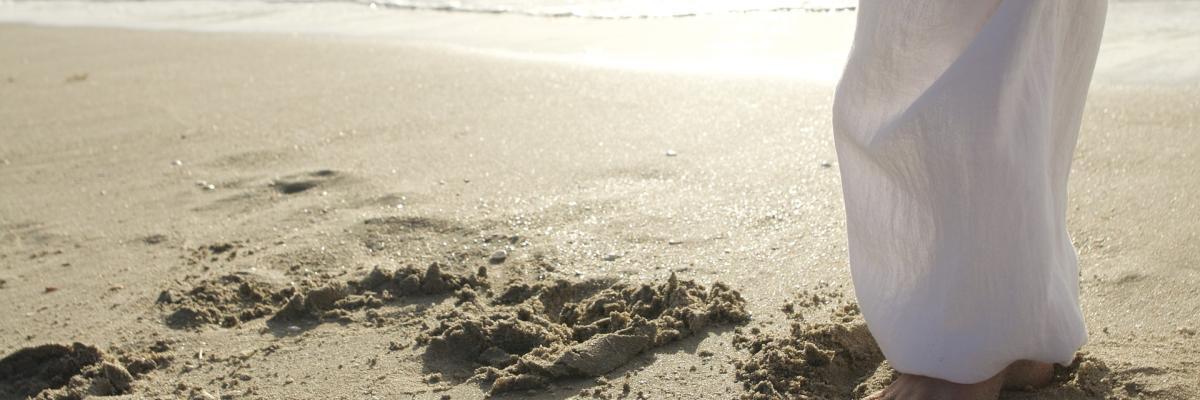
(955,122)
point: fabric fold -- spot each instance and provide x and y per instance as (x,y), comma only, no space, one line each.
(955,124)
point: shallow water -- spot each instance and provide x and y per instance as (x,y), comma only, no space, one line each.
(622,8)
(600,9)
(1145,41)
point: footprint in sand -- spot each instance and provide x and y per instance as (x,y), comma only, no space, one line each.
(304,182)
(57,371)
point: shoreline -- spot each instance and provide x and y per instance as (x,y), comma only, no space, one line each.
(1146,43)
(797,45)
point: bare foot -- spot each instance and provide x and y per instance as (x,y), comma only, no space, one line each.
(1018,375)
(1026,374)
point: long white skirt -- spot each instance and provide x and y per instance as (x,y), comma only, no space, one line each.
(955,122)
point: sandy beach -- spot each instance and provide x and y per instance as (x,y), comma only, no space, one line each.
(274,215)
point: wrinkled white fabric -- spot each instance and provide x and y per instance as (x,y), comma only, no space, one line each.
(955,122)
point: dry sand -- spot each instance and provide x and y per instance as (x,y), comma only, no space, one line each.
(274,216)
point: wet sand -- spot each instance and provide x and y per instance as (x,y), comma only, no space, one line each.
(258,180)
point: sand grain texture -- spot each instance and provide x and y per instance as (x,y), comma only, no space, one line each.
(332,222)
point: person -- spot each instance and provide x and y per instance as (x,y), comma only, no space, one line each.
(955,124)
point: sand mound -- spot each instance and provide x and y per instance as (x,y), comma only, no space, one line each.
(836,360)
(334,301)
(532,335)
(1087,374)
(33,369)
(55,371)
(840,360)
(227,300)
(1089,377)
(409,281)
(232,299)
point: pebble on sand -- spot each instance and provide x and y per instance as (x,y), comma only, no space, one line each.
(826,164)
(118,376)
(177,163)
(671,153)
(611,256)
(203,395)
(498,257)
